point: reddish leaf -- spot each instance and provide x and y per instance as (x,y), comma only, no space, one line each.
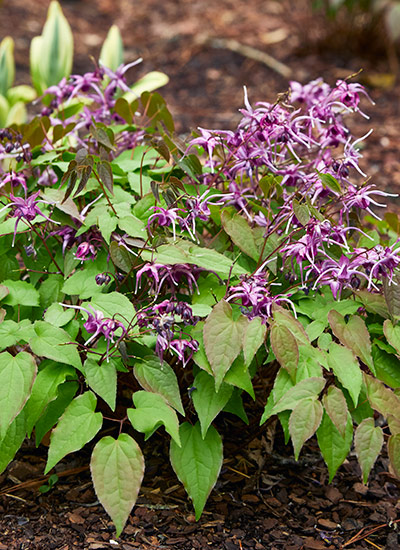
(285,348)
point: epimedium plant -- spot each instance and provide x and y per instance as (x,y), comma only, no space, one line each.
(51,59)
(135,266)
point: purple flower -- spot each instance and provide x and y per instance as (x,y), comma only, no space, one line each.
(14,179)
(97,325)
(255,296)
(361,198)
(87,248)
(164,218)
(173,275)
(338,275)
(25,209)
(85,251)
(379,262)
(48,178)
(180,347)
(163,318)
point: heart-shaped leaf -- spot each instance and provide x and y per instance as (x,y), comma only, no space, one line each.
(197,462)
(151,411)
(17,375)
(368,441)
(117,468)
(77,426)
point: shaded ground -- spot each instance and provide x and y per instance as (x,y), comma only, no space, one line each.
(263,499)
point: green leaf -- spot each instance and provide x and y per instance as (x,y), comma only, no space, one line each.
(240,232)
(151,412)
(51,53)
(112,50)
(381,398)
(346,369)
(53,343)
(117,467)
(285,318)
(303,422)
(21,293)
(66,392)
(363,409)
(368,441)
(309,363)
(77,426)
(17,375)
(301,212)
(191,165)
(82,283)
(133,227)
(254,337)
(374,303)
(102,379)
(238,375)
(200,357)
(11,332)
(284,346)
(207,402)
(319,307)
(50,290)
(306,389)
(282,384)
(387,367)
(12,440)
(393,446)
(185,252)
(107,224)
(392,333)
(330,181)
(148,83)
(315,329)
(353,335)
(114,305)
(334,447)
(336,408)
(123,109)
(7,64)
(45,390)
(121,257)
(159,378)
(392,296)
(197,462)
(222,339)
(57,316)
(235,406)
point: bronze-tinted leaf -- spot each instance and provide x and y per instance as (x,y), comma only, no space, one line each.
(105,174)
(123,109)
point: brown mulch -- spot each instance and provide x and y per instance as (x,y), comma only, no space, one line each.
(263,499)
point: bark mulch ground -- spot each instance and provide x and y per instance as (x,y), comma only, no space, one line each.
(263,499)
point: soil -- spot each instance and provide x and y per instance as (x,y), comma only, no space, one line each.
(263,499)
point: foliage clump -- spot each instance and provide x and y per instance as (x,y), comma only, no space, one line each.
(133,263)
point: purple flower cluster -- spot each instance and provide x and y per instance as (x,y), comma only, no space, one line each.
(173,276)
(196,208)
(163,318)
(97,325)
(101,87)
(255,296)
(302,144)
(88,243)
